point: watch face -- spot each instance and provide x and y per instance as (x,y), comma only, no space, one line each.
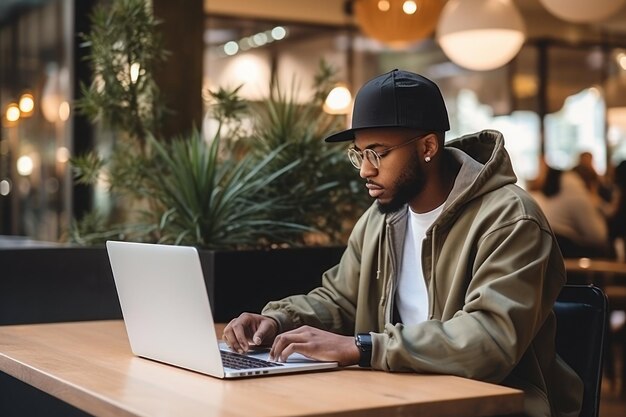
(364,343)
(364,340)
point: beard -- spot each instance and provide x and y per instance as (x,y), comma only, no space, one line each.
(409,184)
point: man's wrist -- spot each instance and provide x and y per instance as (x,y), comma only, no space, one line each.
(363,342)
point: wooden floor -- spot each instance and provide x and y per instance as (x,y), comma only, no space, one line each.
(612,403)
(613,399)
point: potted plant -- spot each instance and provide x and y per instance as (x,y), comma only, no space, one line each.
(258,193)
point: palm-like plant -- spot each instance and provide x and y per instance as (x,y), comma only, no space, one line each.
(188,191)
(212,202)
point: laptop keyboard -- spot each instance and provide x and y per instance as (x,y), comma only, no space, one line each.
(237,361)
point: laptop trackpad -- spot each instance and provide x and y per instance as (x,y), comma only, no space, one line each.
(263,352)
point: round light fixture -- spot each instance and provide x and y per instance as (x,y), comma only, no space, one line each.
(582,11)
(481,34)
(338,101)
(26,103)
(12,113)
(25,165)
(397,22)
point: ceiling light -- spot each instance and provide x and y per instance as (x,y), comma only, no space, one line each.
(339,101)
(582,11)
(397,22)
(13,112)
(481,34)
(26,103)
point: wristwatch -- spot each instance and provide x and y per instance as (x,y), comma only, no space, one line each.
(364,343)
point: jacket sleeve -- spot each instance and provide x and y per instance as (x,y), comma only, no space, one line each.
(515,279)
(332,306)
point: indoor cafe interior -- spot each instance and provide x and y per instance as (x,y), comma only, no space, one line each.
(549,74)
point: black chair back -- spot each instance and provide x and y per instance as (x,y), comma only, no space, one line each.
(582,322)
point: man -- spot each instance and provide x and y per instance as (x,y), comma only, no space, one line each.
(587,172)
(453,270)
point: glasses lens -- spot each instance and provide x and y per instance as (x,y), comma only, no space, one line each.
(372,157)
(355,158)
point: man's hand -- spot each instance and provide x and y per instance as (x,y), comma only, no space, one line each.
(249,329)
(315,344)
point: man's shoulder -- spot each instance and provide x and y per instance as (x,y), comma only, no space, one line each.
(511,194)
(512,202)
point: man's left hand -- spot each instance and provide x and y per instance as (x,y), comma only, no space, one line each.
(315,344)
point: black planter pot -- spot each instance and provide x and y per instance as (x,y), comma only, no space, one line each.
(239,281)
(54,284)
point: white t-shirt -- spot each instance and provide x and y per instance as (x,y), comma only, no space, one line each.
(411,294)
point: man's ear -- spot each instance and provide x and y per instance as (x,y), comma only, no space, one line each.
(431,146)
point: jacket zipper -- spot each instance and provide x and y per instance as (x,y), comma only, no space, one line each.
(390,275)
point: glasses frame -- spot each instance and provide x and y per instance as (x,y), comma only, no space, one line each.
(356,157)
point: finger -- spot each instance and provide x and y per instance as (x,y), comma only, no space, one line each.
(228,335)
(235,333)
(283,340)
(302,348)
(240,344)
(280,342)
(265,332)
(225,339)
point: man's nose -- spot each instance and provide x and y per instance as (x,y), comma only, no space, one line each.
(367,169)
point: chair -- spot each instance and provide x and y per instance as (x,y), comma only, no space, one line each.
(582,321)
(616,293)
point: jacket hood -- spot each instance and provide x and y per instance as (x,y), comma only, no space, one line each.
(485,166)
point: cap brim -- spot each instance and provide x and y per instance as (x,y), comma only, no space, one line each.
(346,135)
(343,136)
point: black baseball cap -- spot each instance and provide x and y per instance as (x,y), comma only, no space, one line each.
(397,99)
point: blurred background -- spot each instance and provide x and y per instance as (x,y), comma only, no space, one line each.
(555,89)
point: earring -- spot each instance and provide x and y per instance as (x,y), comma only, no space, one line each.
(427,159)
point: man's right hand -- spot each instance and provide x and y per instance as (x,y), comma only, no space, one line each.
(250,330)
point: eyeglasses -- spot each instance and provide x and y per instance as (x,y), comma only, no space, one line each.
(373,157)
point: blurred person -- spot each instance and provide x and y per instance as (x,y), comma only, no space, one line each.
(453,269)
(600,194)
(617,212)
(578,224)
(586,171)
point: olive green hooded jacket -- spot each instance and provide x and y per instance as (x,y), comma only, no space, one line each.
(493,271)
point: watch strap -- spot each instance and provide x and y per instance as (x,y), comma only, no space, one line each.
(364,343)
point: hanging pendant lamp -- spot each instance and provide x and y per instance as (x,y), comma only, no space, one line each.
(481,34)
(582,11)
(397,22)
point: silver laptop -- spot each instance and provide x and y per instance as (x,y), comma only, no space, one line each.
(168,316)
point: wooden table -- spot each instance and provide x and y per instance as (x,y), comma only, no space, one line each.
(90,365)
(600,272)
(589,265)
